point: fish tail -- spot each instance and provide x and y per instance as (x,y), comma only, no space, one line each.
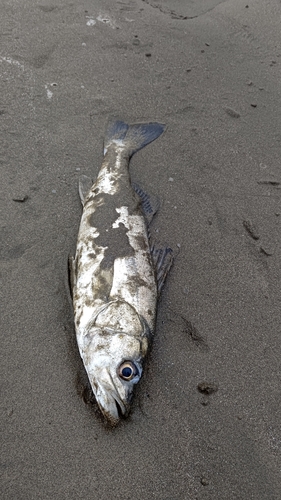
(133,137)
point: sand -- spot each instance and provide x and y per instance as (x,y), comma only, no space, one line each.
(211,71)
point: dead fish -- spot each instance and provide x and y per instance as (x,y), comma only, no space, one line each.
(116,275)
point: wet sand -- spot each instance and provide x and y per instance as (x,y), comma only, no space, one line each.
(211,71)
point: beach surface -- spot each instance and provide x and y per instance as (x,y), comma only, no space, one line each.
(205,422)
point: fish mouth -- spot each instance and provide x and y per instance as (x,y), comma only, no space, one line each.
(113,409)
(112,406)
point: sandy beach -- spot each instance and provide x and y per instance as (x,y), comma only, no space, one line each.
(205,422)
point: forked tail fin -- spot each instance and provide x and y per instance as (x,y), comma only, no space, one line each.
(133,137)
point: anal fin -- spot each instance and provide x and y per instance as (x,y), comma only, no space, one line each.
(85,184)
(163,259)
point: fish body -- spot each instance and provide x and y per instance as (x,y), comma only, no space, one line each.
(114,278)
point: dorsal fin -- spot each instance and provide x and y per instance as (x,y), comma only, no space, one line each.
(85,184)
(150,204)
(163,259)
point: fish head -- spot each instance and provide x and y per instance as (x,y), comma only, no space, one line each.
(113,361)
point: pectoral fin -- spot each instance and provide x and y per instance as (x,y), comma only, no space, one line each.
(71,274)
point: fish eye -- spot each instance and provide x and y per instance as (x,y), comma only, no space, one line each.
(127,370)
